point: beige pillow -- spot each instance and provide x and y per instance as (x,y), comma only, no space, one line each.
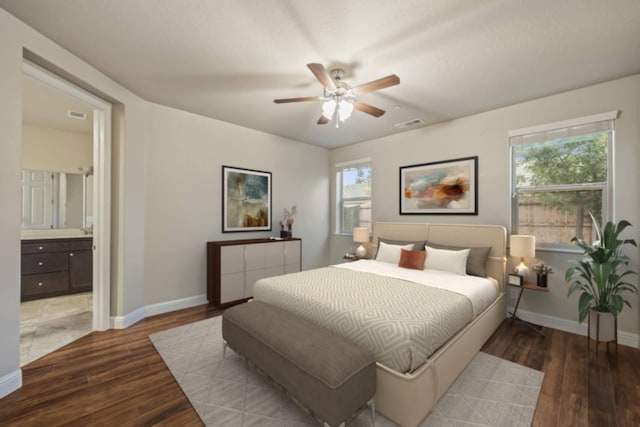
(391,253)
(444,260)
(477,260)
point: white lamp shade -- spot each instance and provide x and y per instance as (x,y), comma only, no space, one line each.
(361,234)
(522,246)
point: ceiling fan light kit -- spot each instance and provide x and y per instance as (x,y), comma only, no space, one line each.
(339,98)
(341,108)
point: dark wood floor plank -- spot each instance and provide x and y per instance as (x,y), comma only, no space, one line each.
(551,392)
(602,394)
(117,378)
(574,404)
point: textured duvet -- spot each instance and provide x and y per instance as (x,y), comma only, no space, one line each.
(402,323)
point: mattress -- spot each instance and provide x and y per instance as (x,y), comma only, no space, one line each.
(402,322)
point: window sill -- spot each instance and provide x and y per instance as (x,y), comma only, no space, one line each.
(559,250)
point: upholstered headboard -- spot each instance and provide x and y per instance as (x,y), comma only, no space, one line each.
(469,235)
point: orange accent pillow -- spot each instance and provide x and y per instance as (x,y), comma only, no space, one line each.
(412,259)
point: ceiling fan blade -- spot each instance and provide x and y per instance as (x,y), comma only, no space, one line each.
(321,74)
(374,85)
(304,99)
(323,120)
(369,109)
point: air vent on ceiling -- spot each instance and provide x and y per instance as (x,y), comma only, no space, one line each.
(409,123)
(77,115)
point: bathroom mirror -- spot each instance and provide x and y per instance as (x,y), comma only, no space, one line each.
(57,200)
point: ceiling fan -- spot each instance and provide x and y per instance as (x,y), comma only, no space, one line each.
(339,98)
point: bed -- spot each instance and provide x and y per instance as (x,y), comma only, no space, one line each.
(425,357)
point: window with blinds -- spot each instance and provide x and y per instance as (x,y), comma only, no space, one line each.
(559,173)
(353,195)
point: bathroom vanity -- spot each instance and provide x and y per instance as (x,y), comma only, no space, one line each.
(56,266)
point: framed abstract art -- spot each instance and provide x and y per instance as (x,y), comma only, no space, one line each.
(246,200)
(448,187)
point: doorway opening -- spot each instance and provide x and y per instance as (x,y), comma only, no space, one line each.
(65,255)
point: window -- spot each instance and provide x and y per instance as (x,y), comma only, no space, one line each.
(560,173)
(353,193)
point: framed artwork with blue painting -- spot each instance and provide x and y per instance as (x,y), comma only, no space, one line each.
(246,200)
(448,187)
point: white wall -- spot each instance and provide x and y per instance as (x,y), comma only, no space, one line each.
(128,279)
(166,171)
(10,134)
(55,150)
(184,198)
(485,135)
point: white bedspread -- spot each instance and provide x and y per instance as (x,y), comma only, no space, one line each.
(481,291)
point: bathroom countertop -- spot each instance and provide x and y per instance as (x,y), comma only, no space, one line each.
(55,233)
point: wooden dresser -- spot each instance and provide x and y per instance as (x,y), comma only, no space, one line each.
(233,266)
(52,267)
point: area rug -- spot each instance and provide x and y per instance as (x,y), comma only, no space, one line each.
(227,392)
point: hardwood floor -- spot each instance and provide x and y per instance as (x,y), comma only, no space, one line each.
(116,378)
(111,378)
(580,388)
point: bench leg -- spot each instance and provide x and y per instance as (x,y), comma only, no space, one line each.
(224,349)
(372,405)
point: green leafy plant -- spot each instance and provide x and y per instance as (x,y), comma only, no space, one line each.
(601,275)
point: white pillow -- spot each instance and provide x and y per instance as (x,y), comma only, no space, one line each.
(391,253)
(445,260)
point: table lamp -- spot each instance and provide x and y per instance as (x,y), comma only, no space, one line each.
(361,235)
(522,246)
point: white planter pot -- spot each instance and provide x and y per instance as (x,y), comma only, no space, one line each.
(602,326)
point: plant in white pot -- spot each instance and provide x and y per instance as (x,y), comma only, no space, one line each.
(601,278)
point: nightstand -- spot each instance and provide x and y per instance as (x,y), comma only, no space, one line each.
(351,257)
(532,287)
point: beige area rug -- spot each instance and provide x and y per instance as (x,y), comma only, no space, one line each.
(227,392)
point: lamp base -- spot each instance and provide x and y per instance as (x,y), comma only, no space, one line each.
(522,270)
(361,252)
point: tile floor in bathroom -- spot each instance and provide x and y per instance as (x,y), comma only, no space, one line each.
(50,323)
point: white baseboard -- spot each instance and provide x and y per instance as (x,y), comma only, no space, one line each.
(178,304)
(624,338)
(10,382)
(122,322)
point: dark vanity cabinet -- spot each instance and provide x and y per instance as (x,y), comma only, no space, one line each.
(52,267)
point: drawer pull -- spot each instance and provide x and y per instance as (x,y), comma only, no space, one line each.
(40,284)
(40,248)
(40,263)
(71,254)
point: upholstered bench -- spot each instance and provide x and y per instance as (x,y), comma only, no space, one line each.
(327,374)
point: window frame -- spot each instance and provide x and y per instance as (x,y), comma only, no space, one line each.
(340,199)
(605,187)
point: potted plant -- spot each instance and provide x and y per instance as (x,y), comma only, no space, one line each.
(542,270)
(601,279)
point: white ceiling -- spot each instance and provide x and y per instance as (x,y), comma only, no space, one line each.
(46,107)
(228,59)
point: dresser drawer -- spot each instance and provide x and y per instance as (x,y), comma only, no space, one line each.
(45,263)
(44,283)
(40,247)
